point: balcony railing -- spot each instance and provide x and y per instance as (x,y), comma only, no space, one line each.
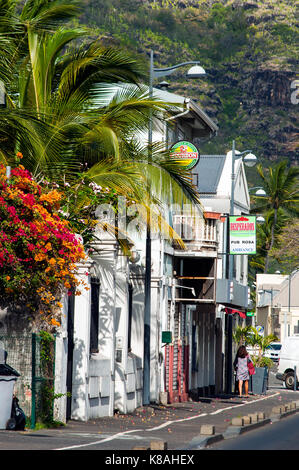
(196,232)
(232,292)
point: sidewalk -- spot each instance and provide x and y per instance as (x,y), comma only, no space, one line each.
(181,425)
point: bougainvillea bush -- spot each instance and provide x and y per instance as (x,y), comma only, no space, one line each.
(38,250)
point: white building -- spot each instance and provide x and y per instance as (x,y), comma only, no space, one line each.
(213,176)
(278,304)
(101,351)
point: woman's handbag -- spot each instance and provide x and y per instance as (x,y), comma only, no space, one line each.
(250,366)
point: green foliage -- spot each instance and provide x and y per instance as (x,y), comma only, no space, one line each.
(47,396)
(261,342)
(285,33)
(262,362)
(241,334)
(45,409)
(279,207)
(249,336)
(231,42)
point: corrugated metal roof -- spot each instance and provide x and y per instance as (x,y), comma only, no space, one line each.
(209,170)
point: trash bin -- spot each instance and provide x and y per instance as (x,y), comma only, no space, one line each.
(8,377)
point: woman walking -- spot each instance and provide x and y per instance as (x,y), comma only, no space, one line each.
(241,366)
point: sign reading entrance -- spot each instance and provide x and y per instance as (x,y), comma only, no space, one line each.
(242,235)
(185,152)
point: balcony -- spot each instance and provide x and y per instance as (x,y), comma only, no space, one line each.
(198,234)
(232,293)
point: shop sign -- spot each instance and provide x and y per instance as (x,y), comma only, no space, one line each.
(242,235)
(185,152)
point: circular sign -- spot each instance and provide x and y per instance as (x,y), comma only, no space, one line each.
(185,152)
(260,330)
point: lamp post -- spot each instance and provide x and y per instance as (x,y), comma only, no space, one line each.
(289,307)
(249,160)
(289,302)
(194,72)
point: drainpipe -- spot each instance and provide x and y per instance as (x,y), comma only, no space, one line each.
(187,103)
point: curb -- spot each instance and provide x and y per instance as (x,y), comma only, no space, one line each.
(233,431)
(201,441)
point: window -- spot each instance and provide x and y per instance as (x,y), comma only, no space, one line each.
(130,309)
(94,315)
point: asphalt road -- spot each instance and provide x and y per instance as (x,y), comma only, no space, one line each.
(178,426)
(282,435)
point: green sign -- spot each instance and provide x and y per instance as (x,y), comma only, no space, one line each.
(250,314)
(166,337)
(242,235)
(186,152)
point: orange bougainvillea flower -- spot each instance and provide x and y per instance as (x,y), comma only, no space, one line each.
(30,229)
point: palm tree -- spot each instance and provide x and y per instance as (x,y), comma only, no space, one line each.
(241,334)
(262,342)
(78,102)
(281,186)
(264,236)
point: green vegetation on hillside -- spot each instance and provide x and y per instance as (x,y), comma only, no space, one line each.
(248,49)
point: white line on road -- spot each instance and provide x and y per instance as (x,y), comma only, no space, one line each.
(244,403)
(101,441)
(168,423)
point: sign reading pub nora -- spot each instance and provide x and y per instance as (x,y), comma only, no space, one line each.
(186,152)
(242,235)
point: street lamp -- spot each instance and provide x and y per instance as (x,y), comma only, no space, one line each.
(250,160)
(194,72)
(260,219)
(260,191)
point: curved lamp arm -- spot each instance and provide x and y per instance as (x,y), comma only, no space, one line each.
(168,70)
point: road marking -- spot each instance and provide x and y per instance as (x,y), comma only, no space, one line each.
(168,423)
(115,436)
(243,403)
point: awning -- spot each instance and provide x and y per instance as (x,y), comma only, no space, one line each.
(233,310)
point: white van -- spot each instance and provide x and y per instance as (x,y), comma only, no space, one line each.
(288,358)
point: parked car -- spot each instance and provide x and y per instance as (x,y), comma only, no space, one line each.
(272,351)
(288,360)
